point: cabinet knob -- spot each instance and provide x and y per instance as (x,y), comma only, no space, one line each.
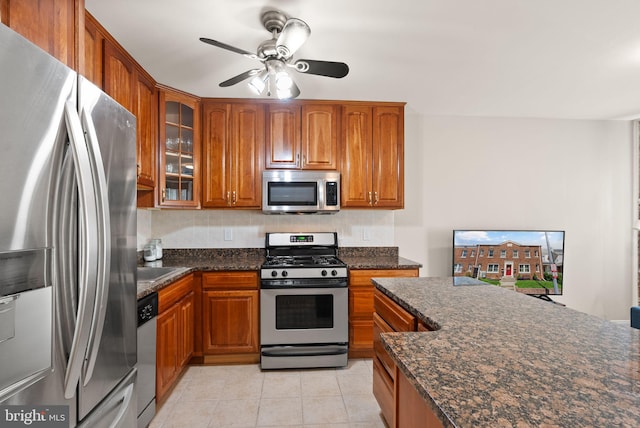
(375,198)
(228,198)
(233,197)
(369,198)
(164,194)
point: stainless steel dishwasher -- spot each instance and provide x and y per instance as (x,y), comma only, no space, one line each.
(147,312)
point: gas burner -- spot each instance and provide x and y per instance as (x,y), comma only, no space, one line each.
(295,258)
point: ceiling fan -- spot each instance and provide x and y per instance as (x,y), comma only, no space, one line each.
(276,54)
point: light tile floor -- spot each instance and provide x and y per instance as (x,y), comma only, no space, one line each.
(245,396)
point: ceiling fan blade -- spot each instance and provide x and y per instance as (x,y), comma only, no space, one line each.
(240,77)
(229,48)
(293,35)
(322,68)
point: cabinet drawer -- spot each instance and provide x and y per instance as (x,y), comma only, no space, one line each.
(397,318)
(383,387)
(227,280)
(362,277)
(170,295)
(379,326)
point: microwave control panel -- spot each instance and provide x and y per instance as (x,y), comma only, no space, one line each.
(331,191)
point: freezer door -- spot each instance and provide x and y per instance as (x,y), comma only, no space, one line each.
(112,346)
(118,410)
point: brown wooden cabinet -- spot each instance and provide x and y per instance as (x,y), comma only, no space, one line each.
(93,45)
(302,136)
(145,108)
(388,317)
(361,307)
(179,149)
(175,333)
(230,316)
(233,141)
(401,404)
(50,24)
(372,161)
(119,74)
(110,67)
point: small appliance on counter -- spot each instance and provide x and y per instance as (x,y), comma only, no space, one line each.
(304,302)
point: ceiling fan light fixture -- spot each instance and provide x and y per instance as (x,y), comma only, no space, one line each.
(293,35)
(259,82)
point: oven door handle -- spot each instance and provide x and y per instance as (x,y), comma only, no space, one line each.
(304,351)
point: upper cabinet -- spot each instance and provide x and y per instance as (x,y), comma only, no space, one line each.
(373,156)
(179,148)
(93,42)
(119,75)
(50,24)
(110,67)
(302,136)
(232,147)
(145,106)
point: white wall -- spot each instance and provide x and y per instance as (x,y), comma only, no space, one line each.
(468,173)
(482,172)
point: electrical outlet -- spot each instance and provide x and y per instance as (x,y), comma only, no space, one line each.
(366,234)
(228,234)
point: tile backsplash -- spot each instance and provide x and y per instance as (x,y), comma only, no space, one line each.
(246,229)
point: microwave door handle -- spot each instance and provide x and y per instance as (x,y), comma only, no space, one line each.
(87,249)
(104,246)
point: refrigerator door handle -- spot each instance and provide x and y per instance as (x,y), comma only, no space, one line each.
(87,249)
(104,246)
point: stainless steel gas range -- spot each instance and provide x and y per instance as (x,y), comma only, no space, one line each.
(304,302)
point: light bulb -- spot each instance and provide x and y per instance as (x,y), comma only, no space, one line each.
(257,83)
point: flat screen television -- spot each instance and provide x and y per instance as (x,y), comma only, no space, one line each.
(526,261)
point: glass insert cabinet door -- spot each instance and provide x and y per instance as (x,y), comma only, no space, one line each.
(179,149)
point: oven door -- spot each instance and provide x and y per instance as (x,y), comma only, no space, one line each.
(294,316)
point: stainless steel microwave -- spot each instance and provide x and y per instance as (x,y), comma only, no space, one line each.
(292,192)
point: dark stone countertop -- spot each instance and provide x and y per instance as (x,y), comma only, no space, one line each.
(228,259)
(504,359)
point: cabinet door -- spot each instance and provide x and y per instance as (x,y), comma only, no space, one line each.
(319,136)
(93,40)
(186,329)
(216,162)
(282,145)
(247,148)
(357,164)
(179,156)
(49,24)
(146,112)
(167,360)
(231,321)
(118,76)
(388,156)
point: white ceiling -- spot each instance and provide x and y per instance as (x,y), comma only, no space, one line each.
(510,58)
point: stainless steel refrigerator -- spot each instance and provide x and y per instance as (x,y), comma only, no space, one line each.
(67,244)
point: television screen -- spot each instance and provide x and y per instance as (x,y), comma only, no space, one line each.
(526,261)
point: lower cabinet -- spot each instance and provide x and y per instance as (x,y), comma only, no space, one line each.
(175,335)
(361,307)
(401,404)
(230,317)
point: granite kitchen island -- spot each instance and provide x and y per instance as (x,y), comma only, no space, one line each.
(497,358)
